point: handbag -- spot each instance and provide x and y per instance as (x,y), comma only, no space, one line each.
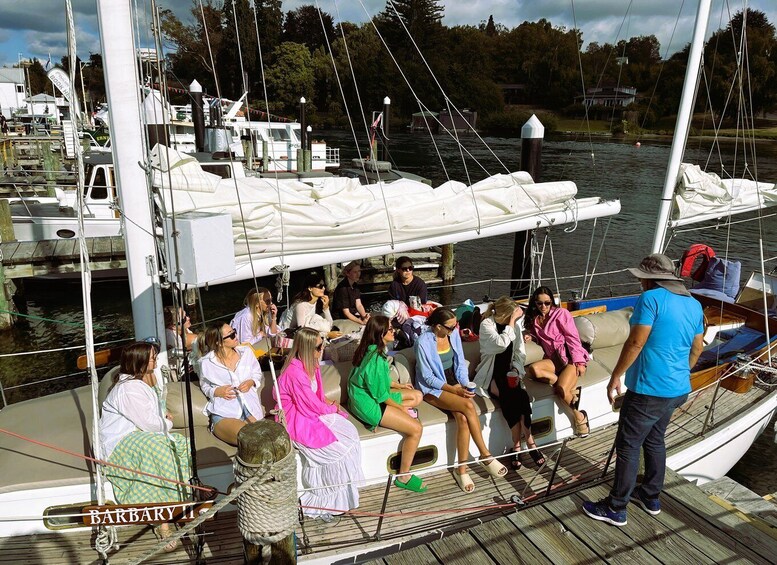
(285,339)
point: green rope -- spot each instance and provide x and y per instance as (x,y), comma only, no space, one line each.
(77,324)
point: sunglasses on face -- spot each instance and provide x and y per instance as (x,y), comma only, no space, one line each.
(543,302)
(320,347)
(319,285)
(407,269)
(230,335)
(449,329)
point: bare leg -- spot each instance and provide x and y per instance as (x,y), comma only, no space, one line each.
(565,386)
(411,398)
(464,407)
(226,430)
(399,420)
(543,371)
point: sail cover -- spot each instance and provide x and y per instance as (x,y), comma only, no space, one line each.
(332,219)
(701,196)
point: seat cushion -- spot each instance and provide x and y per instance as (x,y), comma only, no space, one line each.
(176,404)
(604,329)
(427,415)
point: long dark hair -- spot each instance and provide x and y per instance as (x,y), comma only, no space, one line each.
(377,326)
(304,295)
(134,359)
(532,311)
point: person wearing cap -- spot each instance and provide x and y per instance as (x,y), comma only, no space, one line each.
(664,344)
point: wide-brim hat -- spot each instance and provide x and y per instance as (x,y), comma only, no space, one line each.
(655,267)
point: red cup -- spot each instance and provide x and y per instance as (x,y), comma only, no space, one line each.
(513,379)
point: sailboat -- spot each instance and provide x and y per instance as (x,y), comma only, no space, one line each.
(42,490)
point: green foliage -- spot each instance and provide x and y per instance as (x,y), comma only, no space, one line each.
(512,120)
(304,25)
(289,77)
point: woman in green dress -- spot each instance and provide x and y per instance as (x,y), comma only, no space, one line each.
(376,400)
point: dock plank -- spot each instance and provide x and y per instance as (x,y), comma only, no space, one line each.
(747,539)
(24,252)
(611,544)
(419,555)
(557,543)
(459,549)
(503,542)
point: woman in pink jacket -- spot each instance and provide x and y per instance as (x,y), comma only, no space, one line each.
(327,442)
(564,360)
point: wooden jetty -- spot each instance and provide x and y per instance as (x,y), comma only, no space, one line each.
(60,256)
(445,525)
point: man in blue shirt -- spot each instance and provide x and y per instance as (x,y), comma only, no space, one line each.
(664,344)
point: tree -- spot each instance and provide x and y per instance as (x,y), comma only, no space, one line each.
(420,20)
(289,77)
(304,25)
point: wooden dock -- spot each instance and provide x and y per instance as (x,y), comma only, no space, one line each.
(445,525)
(60,256)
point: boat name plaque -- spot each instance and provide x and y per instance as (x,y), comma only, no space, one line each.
(125,514)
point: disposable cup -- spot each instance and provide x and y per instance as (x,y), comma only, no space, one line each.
(513,379)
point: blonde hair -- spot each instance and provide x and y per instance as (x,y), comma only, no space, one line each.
(350,267)
(501,308)
(254,301)
(304,349)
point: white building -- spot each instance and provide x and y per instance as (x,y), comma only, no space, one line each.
(11,90)
(48,106)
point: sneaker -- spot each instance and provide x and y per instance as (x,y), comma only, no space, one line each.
(650,505)
(601,511)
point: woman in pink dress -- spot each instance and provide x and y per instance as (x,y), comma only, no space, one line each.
(327,442)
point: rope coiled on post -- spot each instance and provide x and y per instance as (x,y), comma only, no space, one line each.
(267,510)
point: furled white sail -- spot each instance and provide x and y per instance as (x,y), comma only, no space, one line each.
(701,196)
(331,219)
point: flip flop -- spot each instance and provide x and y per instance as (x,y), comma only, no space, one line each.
(494,468)
(464,481)
(414,484)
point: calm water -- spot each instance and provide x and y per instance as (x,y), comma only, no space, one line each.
(606,168)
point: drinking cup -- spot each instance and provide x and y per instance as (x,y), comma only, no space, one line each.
(471,387)
(513,379)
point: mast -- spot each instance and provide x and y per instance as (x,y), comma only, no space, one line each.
(684,115)
(129,152)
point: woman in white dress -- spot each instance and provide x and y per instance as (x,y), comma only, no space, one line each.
(326,440)
(230,377)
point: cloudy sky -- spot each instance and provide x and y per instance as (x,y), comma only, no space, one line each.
(35,28)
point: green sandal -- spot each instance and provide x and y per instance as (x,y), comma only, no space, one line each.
(413,483)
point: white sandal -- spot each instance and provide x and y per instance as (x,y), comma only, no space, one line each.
(464,481)
(493,467)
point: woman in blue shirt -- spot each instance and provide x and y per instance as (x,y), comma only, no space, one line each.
(441,374)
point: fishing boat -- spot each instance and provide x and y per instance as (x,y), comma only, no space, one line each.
(42,489)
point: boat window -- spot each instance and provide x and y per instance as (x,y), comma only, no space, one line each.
(541,427)
(279,134)
(425,456)
(222,170)
(99,190)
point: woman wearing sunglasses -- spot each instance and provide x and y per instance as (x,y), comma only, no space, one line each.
(376,400)
(405,283)
(441,374)
(310,308)
(564,358)
(327,442)
(258,319)
(230,378)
